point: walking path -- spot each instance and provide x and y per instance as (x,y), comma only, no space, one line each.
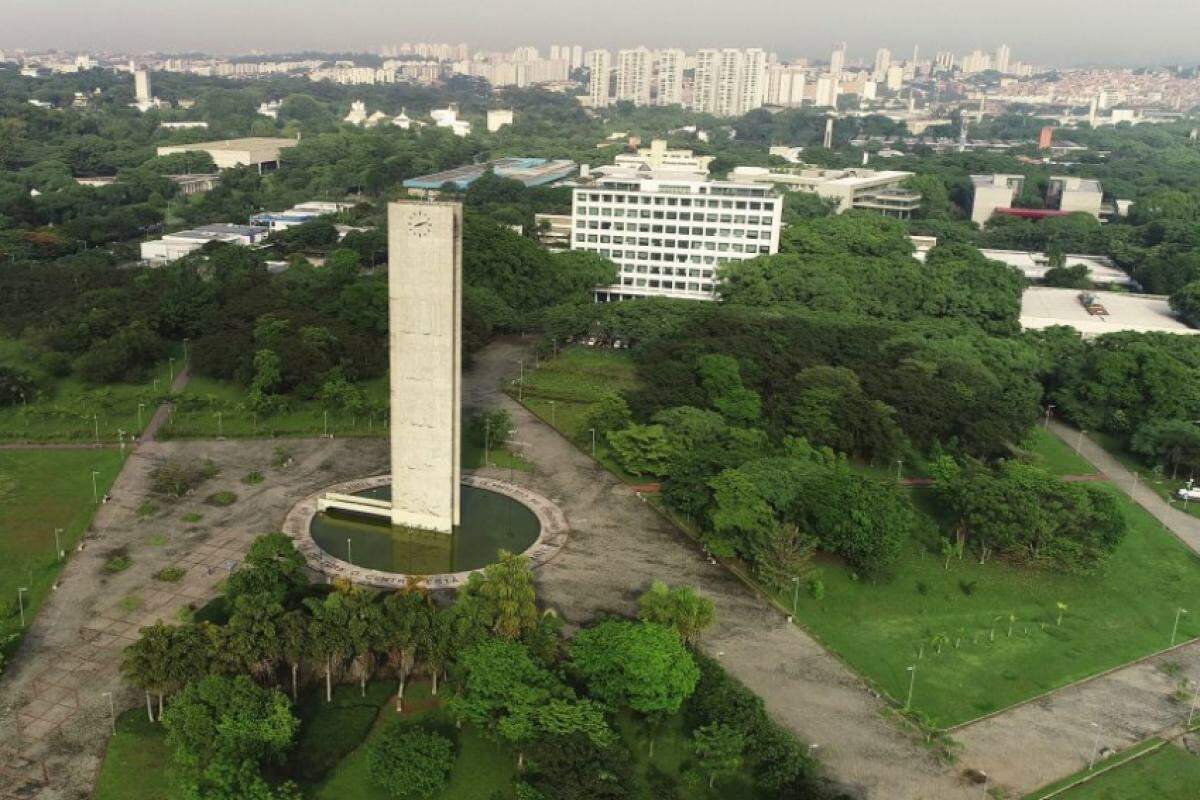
(1043,741)
(163,412)
(618,545)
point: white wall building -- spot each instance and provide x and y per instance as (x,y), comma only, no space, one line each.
(658,157)
(785,85)
(179,244)
(671,232)
(635,75)
(497,118)
(668,77)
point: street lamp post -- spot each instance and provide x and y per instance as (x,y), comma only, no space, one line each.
(96,423)
(58,543)
(795,593)
(349,552)
(95,488)
(185,353)
(912,679)
(899,467)
(220,427)
(170,373)
(21,602)
(553,414)
(326,424)
(1049,408)
(140,407)
(1175,628)
(487,441)
(112,710)
(593,432)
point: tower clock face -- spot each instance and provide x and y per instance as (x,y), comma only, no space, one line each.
(419,224)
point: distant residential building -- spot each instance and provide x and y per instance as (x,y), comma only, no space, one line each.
(671,232)
(729,82)
(785,85)
(635,76)
(182,243)
(270,109)
(883,62)
(837,60)
(825,93)
(881,191)
(599,64)
(668,77)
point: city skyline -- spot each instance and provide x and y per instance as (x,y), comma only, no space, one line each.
(1067,34)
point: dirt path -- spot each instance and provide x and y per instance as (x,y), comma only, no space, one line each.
(618,546)
(163,412)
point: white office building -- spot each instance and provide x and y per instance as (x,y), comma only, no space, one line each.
(671,232)
(179,244)
(599,64)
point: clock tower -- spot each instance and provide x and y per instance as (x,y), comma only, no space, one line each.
(425,356)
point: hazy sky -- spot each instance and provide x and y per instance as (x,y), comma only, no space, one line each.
(1044,31)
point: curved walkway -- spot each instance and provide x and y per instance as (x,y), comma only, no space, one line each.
(618,546)
(1032,745)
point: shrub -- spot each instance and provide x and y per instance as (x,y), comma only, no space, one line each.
(176,477)
(192,516)
(410,763)
(170,574)
(283,457)
(221,499)
(130,603)
(117,562)
(147,509)
(253,478)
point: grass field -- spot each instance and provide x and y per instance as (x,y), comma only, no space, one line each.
(69,411)
(884,627)
(135,766)
(564,389)
(1168,773)
(1054,455)
(41,490)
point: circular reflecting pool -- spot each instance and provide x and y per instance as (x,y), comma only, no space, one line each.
(491,522)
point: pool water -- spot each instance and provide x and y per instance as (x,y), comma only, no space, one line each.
(490,523)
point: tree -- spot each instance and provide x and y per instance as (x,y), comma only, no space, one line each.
(574,768)
(641,449)
(509,597)
(164,659)
(409,763)
(719,750)
(1186,303)
(679,608)
(329,633)
(406,615)
(609,413)
(1076,276)
(272,566)
(639,665)
(293,642)
(251,638)
(221,729)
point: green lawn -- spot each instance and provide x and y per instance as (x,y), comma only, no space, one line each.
(135,765)
(41,490)
(881,628)
(69,411)
(563,390)
(1169,773)
(1054,455)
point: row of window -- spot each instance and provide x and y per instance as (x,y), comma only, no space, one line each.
(739,219)
(682,272)
(626,256)
(679,286)
(682,202)
(724,233)
(678,244)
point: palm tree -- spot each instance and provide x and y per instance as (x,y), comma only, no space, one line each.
(293,641)
(328,638)
(438,646)
(145,662)
(363,633)
(252,635)
(405,617)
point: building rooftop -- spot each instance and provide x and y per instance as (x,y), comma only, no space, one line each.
(529,171)
(1044,306)
(246,143)
(216,232)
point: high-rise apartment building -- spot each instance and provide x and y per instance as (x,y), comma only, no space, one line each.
(752,85)
(576,57)
(555,52)
(599,64)
(635,75)
(825,93)
(785,85)
(883,62)
(668,77)
(729,82)
(1002,58)
(837,60)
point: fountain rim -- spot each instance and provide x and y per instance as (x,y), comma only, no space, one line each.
(298,525)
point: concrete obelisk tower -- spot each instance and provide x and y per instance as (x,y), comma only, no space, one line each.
(425,352)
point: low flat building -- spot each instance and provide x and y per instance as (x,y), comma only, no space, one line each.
(529,171)
(296,215)
(658,157)
(1033,265)
(182,243)
(881,191)
(554,231)
(195,184)
(671,232)
(497,118)
(1110,312)
(255,151)
(1073,195)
